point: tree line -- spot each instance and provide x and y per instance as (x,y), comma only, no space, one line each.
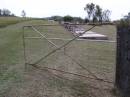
(96,14)
(66,18)
(6,12)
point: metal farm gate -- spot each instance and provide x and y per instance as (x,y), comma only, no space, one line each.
(67,66)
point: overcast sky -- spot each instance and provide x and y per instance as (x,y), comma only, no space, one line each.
(45,8)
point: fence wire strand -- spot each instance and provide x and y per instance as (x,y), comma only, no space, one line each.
(58,48)
(63,78)
(92,74)
(44,37)
(62,71)
(35,64)
(53,51)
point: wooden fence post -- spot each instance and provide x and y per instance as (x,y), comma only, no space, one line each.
(122,81)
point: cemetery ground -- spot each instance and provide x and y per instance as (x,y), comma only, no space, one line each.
(97,57)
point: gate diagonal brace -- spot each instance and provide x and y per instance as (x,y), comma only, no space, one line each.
(92,74)
(58,48)
(65,53)
(48,68)
(44,37)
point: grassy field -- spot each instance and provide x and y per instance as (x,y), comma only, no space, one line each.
(106,30)
(5,21)
(99,57)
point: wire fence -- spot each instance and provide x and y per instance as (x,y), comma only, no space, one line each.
(66,56)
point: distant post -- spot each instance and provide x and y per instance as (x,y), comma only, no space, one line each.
(122,81)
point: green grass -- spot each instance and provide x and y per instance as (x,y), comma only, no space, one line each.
(109,30)
(5,21)
(11,53)
(99,57)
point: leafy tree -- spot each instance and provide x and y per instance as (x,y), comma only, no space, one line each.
(106,15)
(95,19)
(127,16)
(86,20)
(56,18)
(6,12)
(12,14)
(98,13)
(78,19)
(68,18)
(95,13)
(90,9)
